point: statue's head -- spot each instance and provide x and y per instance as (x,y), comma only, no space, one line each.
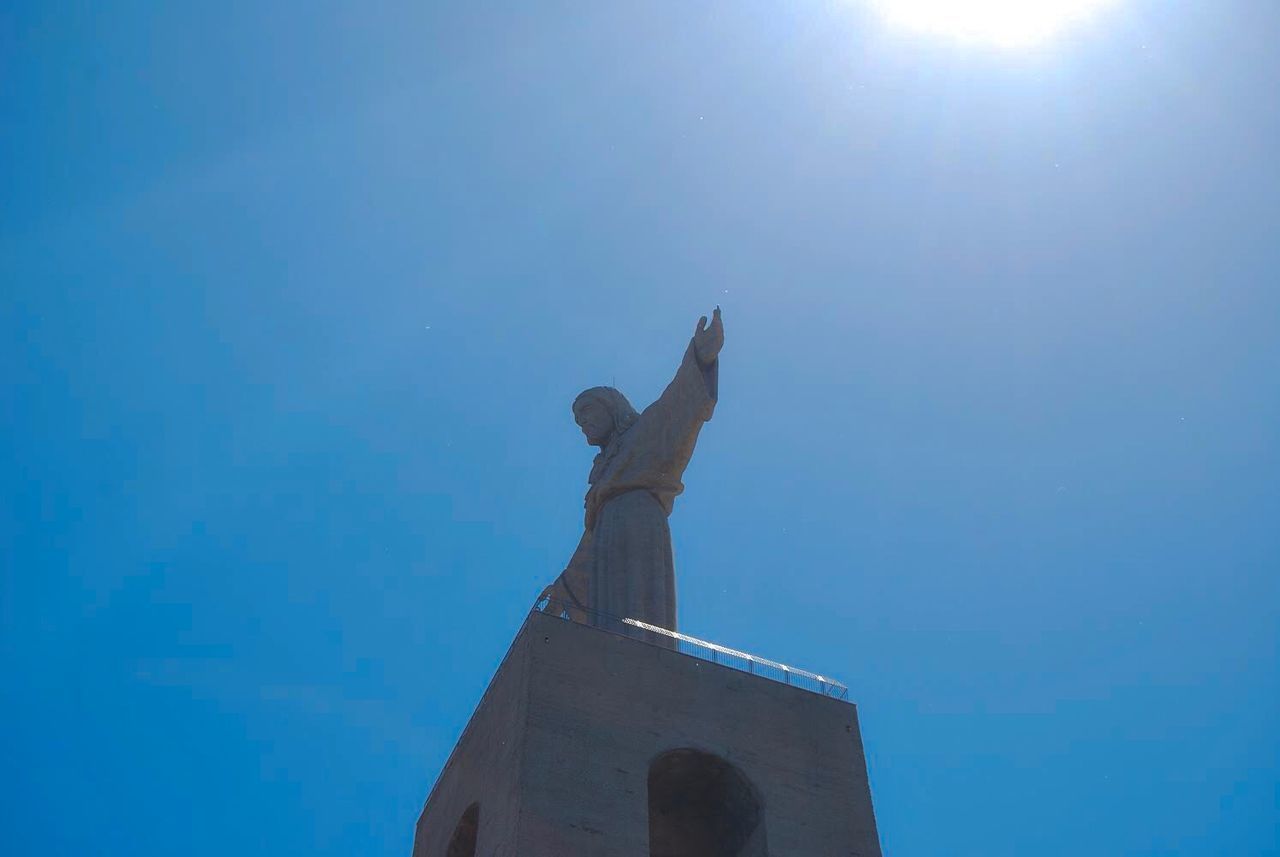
(602,413)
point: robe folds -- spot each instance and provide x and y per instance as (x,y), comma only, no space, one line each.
(624,566)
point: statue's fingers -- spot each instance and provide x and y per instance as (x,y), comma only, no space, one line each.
(702,325)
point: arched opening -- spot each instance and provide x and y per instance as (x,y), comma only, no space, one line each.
(702,806)
(463,841)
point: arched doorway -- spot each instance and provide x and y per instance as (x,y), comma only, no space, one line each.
(463,841)
(702,806)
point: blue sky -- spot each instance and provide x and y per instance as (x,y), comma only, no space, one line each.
(296,298)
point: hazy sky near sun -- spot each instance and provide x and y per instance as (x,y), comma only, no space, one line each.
(296,298)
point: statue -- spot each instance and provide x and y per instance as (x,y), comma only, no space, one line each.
(623,566)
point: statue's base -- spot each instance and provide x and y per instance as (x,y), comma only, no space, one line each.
(592,743)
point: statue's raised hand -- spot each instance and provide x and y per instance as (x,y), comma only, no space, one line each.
(707,341)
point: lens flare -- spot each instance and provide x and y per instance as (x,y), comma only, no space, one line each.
(1006,23)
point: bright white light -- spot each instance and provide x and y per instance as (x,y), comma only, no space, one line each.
(1008,23)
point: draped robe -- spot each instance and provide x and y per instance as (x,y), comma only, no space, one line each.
(623,566)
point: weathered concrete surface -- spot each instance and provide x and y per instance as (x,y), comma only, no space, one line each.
(558,752)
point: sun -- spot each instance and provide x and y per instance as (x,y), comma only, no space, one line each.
(1005,23)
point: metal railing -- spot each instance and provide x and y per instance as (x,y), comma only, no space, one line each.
(701,649)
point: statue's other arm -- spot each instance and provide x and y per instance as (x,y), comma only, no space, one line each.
(569,593)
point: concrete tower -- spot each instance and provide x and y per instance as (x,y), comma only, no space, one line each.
(643,743)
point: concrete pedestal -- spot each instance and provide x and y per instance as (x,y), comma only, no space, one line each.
(591,744)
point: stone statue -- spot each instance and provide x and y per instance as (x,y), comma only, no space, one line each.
(623,566)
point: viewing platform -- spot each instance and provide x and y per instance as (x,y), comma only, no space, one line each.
(692,646)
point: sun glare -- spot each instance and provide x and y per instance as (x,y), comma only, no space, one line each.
(1007,23)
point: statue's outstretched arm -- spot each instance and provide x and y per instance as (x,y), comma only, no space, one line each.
(669,427)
